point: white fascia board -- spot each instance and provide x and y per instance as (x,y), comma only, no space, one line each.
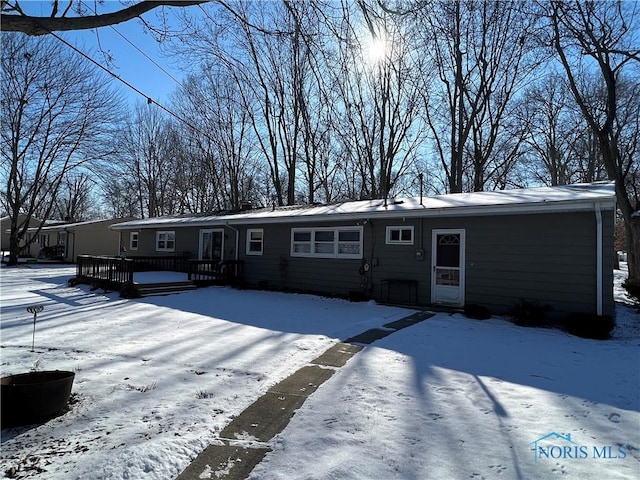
(164,224)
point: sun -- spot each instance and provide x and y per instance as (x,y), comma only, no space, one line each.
(377,49)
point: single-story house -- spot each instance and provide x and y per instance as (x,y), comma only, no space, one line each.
(81,238)
(5,230)
(549,245)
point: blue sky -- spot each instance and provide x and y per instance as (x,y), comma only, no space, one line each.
(127,62)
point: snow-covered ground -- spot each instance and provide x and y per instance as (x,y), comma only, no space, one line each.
(451,398)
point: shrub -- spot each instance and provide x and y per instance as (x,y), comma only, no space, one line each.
(477,312)
(589,325)
(357,296)
(129,290)
(527,313)
(633,287)
(72,282)
(105,285)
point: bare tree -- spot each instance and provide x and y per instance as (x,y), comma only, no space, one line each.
(15,19)
(555,132)
(56,115)
(377,78)
(147,158)
(119,194)
(481,52)
(267,50)
(600,35)
(221,167)
(74,202)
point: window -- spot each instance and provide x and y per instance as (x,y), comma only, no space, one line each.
(211,244)
(133,240)
(331,242)
(44,240)
(301,243)
(400,235)
(165,241)
(254,241)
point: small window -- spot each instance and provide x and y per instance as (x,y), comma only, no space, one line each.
(255,241)
(400,235)
(165,241)
(133,240)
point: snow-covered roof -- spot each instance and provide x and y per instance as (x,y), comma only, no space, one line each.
(528,200)
(61,225)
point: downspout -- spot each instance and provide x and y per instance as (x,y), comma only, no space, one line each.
(73,245)
(237,238)
(598,259)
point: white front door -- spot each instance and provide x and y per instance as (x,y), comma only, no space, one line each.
(211,244)
(447,260)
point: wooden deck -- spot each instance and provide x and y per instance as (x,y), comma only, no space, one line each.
(156,275)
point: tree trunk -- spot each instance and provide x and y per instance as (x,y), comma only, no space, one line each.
(14,242)
(632,228)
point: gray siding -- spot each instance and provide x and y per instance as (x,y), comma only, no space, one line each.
(547,258)
(276,268)
(187,241)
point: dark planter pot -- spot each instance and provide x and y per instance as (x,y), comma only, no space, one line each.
(34,397)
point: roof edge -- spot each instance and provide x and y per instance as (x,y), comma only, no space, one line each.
(458,211)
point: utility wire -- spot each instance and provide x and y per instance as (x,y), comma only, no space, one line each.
(138,91)
(142,52)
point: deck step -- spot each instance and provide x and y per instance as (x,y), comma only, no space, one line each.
(148,289)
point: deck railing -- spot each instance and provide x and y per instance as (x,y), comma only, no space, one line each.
(118,271)
(178,262)
(228,272)
(114,270)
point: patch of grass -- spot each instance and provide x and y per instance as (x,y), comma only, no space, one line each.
(142,388)
(203,394)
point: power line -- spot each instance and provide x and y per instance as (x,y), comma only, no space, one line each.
(138,91)
(142,52)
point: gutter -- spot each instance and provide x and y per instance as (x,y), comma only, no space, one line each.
(598,259)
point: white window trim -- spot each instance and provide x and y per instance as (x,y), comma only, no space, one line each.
(391,228)
(336,242)
(249,232)
(166,249)
(137,235)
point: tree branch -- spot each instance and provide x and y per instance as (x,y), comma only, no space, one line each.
(44,25)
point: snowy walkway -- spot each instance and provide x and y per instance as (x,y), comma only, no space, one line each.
(244,442)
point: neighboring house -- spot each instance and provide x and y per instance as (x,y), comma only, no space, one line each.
(552,245)
(81,238)
(5,229)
